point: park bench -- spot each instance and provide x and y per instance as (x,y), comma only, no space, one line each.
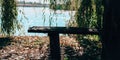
(53,33)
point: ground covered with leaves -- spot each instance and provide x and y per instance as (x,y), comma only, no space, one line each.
(35,47)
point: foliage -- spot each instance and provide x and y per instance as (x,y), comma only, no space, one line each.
(60,7)
(99,13)
(65,5)
(92,47)
(84,14)
(89,15)
(9,22)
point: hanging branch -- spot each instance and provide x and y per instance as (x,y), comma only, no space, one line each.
(99,13)
(84,14)
(9,22)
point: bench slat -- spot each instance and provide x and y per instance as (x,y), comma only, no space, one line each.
(64,30)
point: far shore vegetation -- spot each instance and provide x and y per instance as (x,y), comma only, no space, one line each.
(65,5)
(31,4)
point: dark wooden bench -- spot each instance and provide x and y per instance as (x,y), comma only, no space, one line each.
(53,33)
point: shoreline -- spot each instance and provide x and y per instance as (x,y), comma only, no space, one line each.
(32,5)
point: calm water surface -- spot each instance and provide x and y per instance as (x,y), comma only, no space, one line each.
(41,16)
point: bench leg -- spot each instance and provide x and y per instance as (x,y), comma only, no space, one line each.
(54,46)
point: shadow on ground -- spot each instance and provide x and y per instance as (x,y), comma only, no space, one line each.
(71,54)
(4,41)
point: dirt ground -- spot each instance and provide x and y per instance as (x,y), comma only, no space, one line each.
(33,47)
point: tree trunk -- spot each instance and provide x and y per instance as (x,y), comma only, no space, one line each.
(111,31)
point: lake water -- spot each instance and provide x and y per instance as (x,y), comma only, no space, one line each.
(41,16)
